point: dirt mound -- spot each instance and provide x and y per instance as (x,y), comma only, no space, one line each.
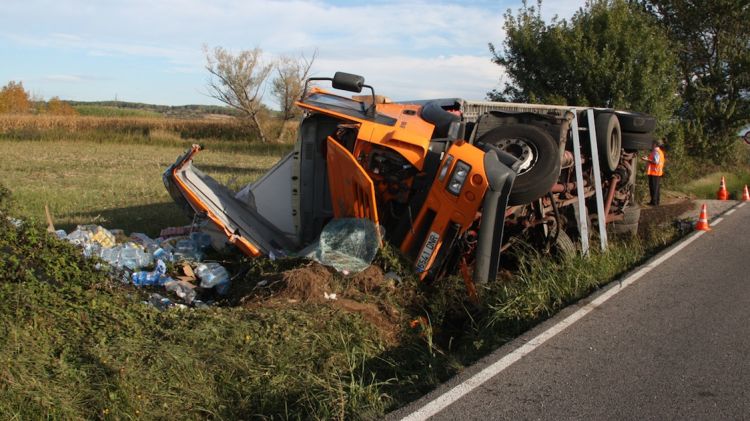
(366,294)
(370,281)
(307,284)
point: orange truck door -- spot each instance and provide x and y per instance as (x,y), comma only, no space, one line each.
(352,190)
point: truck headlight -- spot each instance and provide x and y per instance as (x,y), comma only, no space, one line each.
(458,178)
(446,166)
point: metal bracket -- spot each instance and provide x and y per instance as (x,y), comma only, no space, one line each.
(597,181)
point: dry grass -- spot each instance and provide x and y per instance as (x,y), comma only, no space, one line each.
(30,126)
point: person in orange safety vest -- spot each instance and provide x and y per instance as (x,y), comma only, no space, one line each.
(655,170)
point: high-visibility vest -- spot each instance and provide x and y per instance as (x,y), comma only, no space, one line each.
(656,163)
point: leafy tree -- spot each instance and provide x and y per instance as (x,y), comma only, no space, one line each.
(611,54)
(238,81)
(57,107)
(713,45)
(14,99)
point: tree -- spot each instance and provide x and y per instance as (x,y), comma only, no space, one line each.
(611,54)
(239,81)
(713,45)
(57,107)
(287,86)
(14,99)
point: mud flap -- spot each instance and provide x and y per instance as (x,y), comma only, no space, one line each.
(500,168)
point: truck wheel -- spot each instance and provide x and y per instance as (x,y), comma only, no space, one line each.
(564,245)
(629,222)
(539,159)
(637,141)
(608,141)
(632,122)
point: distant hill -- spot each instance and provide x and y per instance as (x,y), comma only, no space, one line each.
(137,109)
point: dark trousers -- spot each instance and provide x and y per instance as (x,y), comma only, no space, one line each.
(653,189)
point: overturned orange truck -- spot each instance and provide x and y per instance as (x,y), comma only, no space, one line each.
(452,182)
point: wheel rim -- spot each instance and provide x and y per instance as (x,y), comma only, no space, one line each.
(615,143)
(521,150)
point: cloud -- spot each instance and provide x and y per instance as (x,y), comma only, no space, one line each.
(404,77)
(412,49)
(71,78)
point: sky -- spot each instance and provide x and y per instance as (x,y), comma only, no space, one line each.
(152,50)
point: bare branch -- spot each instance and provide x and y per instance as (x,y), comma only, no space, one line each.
(238,80)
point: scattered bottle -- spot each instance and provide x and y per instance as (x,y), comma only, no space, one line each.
(161,303)
(213,275)
(183,289)
(187,249)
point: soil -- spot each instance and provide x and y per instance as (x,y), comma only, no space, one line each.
(365,294)
(672,206)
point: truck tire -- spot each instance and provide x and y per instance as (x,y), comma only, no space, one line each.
(539,155)
(608,141)
(564,245)
(629,222)
(637,141)
(632,122)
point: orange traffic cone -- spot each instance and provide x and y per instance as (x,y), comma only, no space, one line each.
(745,195)
(722,194)
(702,224)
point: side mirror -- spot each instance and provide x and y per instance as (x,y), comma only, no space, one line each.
(348,82)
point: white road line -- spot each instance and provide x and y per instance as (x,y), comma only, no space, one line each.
(741,205)
(451,396)
(730,211)
(713,224)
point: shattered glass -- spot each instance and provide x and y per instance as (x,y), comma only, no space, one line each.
(348,244)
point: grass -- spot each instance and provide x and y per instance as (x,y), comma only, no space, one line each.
(78,345)
(707,186)
(117,185)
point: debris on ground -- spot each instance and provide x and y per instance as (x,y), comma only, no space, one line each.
(129,258)
(340,275)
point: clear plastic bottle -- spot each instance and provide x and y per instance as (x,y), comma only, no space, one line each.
(187,249)
(213,275)
(201,239)
(183,289)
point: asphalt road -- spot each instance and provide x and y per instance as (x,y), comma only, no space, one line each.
(674,344)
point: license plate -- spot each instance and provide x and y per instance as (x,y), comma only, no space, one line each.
(429,247)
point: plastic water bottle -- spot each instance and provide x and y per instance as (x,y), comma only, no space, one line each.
(201,239)
(155,277)
(91,249)
(213,275)
(163,254)
(111,255)
(183,289)
(161,303)
(79,237)
(187,249)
